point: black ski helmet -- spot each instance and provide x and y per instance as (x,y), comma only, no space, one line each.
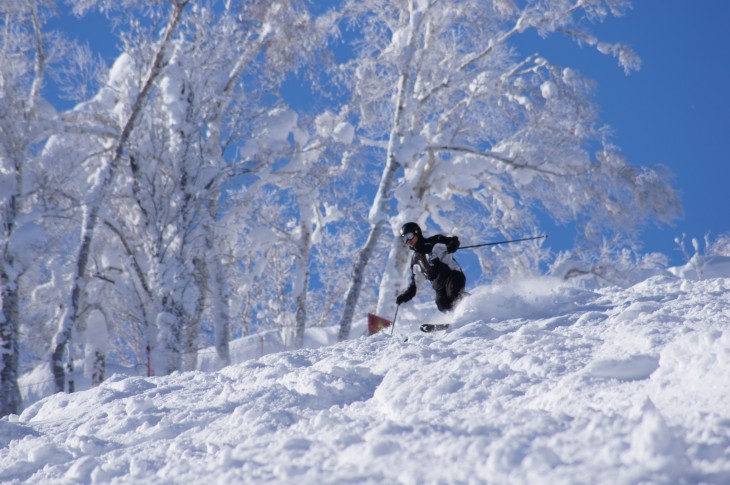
(408,230)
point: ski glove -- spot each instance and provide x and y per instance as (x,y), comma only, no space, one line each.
(406,295)
(453,245)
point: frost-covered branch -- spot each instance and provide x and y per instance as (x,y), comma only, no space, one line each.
(40,58)
(626,57)
(511,162)
(141,275)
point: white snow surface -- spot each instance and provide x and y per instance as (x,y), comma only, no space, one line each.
(537,381)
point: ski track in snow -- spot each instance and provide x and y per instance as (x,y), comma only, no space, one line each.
(537,382)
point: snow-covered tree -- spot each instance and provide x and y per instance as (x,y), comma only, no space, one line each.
(129,107)
(467,118)
(283,213)
(26,120)
(192,141)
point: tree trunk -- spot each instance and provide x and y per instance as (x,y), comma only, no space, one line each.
(301,299)
(10,399)
(303,273)
(395,274)
(70,371)
(301,315)
(223,320)
(394,278)
(192,327)
(221,300)
(60,344)
(353,292)
(190,357)
(97,374)
(170,322)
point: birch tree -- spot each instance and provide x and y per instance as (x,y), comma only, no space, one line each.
(26,120)
(286,35)
(468,118)
(303,181)
(182,161)
(106,176)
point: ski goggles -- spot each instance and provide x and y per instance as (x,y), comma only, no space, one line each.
(407,237)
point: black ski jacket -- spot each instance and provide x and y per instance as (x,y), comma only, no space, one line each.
(433,256)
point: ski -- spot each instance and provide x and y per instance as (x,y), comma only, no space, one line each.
(433,327)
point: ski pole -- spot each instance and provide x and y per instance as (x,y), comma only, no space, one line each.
(392,328)
(544,236)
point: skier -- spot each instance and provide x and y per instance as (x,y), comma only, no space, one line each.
(433,256)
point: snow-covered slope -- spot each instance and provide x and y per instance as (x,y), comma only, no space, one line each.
(536,382)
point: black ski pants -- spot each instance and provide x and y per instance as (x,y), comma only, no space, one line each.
(448,287)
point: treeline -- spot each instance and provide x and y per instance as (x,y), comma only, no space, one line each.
(242,166)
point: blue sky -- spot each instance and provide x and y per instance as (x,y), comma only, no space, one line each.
(675,111)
